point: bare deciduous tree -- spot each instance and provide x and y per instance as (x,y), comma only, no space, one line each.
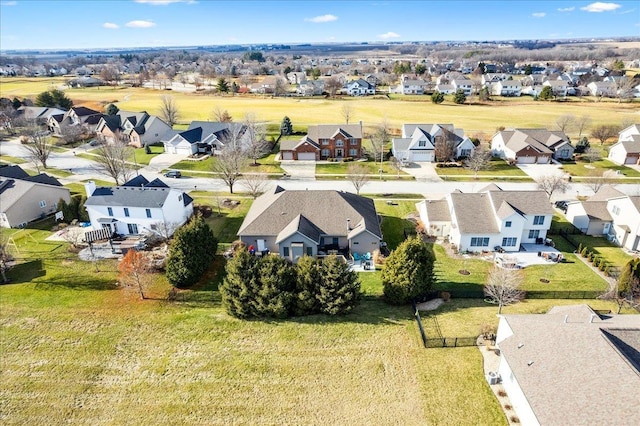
(280,86)
(255,183)
(221,115)
(397,165)
(347,112)
(112,161)
(604,132)
(255,133)
(479,160)
(597,180)
(591,155)
(445,146)
(134,271)
(379,139)
(358,175)
(229,164)
(169,110)
(582,123)
(332,85)
(37,145)
(502,287)
(565,122)
(553,183)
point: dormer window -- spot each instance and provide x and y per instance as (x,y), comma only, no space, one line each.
(422,144)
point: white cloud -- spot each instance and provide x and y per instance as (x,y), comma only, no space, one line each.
(164,2)
(389,35)
(140,24)
(539,15)
(598,7)
(110,26)
(626,11)
(322,19)
(566,9)
(8,3)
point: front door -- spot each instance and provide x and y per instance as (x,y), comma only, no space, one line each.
(339,152)
(133,228)
(607,226)
(297,251)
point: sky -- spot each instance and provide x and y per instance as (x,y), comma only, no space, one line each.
(84,24)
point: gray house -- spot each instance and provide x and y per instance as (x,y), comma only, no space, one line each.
(312,223)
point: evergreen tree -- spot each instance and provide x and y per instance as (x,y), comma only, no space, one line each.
(223,85)
(408,272)
(112,109)
(277,282)
(239,285)
(286,128)
(54,98)
(459,97)
(192,251)
(546,93)
(629,280)
(340,289)
(437,97)
(16,103)
(308,283)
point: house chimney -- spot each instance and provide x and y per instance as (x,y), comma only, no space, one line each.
(348,225)
(90,188)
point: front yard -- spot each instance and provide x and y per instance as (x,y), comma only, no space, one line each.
(266,164)
(581,168)
(373,168)
(498,167)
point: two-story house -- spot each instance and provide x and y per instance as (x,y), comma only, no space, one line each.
(463,84)
(627,149)
(488,219)
(137,207)
(531,146)
(506,88)
(409,86)
(325,141)
(76,116)
(359,87)
(311,223)
(136,128)
(419,142)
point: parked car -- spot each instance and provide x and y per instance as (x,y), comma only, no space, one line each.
(173,174)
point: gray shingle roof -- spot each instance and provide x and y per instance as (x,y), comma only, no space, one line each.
(597,210)
(327,131)
(438,210)
(128,196)
(327,210)
(541,140)
(576,372)
(525,202)
(474,214)
(605,193)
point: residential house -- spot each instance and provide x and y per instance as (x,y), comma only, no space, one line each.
(39,114)
(293,224)
(531,146)
(553,366)
(359,87)
(560,88)
(137,128)
(506,88)
(325,141)
(296,77)
(310,88)
(420,143)
(267,85)
(627,149)
(25,198)
(489,78)
(409,86)
(137,207)
(76,116)
(488,219)
(603,88)
(463,84)
(206,137)
(445,88)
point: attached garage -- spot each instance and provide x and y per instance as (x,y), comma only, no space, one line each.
(543,160)
(630,160)
(527,160)
(309,156)
(183,150)
(287,156)
(422,157)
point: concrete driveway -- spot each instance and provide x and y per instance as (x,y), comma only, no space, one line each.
(423,172)
(163,161)
(536,171)
(297,169)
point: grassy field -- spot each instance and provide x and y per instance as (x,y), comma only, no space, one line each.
(372,168)
(497,167)
(521,112)
(584,168)
(266,164)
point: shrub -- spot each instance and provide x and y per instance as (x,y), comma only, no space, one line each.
(583,252)
(445,295)
(579,250)
(502,393)
(408,272)
(514,419)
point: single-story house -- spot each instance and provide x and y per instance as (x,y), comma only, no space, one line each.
(531,146)
(325,141)
(488,219)
(420,142)
(137,207)
(359,87)
(571,366)
(205,137)
(294,224)
(25,198)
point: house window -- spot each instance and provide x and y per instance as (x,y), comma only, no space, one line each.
(422,144)
(325,152)
(538,220)
(180,197)
(126,212)
(509,242)
(285,251)
(335,241)
(353,152)
(309,251)
(507,224)
(564,153)
(148,212)
(110,211)
(322,241)
(353,141)
(43,204)
(534,233)
(616,210)
(324,141)
(465,152)
(339,143)
(133,228)
(480,242)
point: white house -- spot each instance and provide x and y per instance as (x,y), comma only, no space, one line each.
(560,88)
(359,87)
(206,137)
(506,88)
(571,366)
(409,86)
(465,85)
(488,219)
(445,89)
(419,141)
(603,88)
(627,149)
(137,207)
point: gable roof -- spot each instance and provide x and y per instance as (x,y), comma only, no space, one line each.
(541,140)
(521,202)
(561,359)
(328,131)
(605,193)
(274,211)
(473,213)
(12,190)
(16,172)
(134,193)
(597,210)
(437,210)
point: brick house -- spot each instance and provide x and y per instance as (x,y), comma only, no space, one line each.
(325,141)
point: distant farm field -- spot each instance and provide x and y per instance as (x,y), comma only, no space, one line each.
(521,112)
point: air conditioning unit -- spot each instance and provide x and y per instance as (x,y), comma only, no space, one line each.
(493,378)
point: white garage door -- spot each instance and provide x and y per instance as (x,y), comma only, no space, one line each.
(543,160)
(422,156)
(526,160)
(183,150)
(287,155)
(306,156)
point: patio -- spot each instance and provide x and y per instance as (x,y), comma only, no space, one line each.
(530,254)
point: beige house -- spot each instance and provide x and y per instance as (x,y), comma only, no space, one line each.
(23,201)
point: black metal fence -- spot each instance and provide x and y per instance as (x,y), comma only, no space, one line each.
(451,342)
(533,294)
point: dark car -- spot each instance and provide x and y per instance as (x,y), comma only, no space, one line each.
(173,174)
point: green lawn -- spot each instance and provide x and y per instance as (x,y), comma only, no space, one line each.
(585,169)
(139,155)
(78,188)
(394,220)
(498,167)
(612,253)
(12,160)
(373,168)
(266,164)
